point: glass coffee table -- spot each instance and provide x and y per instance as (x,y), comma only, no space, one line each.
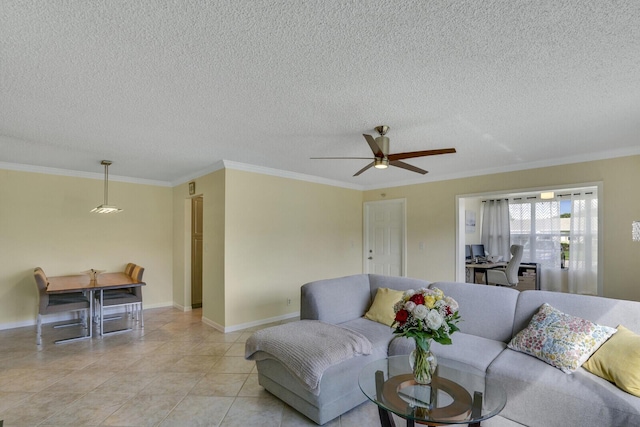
(458,393)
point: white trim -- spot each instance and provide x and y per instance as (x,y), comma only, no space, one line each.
(60,317)
(182,307)
(291,175)
(202,172)
(579,158)
(80,174)
(228,164)
(459,260)
(600,187)
(243,326)
(365,231)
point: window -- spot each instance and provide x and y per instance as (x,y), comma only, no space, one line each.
(561,233)
(535,224)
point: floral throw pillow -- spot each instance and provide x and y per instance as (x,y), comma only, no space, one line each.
(561,340)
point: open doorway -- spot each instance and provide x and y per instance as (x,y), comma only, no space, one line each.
(196,251)
(558,227)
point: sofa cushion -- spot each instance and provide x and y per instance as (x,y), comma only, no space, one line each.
(560,339)
(335,300)
(485,311)
(618,361)
(604,311)
(472,350)
(541,395)
(377,281)
(381,310)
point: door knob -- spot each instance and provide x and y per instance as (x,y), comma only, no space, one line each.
(370,257)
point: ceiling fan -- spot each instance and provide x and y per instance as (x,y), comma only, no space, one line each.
(382,159)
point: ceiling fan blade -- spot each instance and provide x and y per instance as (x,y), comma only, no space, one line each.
(412,154)
(377,151)
(370,165)
(407,166)
(341,158)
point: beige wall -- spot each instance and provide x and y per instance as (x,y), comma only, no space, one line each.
(431,217)
(280,234)
(264,236)
(45,222)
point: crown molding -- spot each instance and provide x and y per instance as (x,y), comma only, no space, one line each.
(245,167)
(229,164)
(80,174)
(579,158)
(290,175)
(202,172)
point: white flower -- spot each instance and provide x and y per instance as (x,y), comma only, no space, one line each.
(409,293)
(420,312)
(409,306)
(453,304)
(434,319)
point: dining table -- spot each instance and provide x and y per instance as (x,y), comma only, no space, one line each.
(92,281)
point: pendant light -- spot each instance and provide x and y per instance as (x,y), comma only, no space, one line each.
(105,208)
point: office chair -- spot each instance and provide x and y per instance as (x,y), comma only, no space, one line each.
(509,275)
(59,303)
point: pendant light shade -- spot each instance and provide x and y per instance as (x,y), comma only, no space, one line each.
(105,208)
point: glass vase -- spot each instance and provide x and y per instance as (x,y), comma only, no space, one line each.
(423,362)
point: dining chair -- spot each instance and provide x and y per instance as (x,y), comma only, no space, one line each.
(130,297)
(60,303)
(509,275)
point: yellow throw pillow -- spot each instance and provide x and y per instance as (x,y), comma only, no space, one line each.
(618,361)
(381,310)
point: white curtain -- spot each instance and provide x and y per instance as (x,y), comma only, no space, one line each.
(496,232)
(583,238)
(535,224)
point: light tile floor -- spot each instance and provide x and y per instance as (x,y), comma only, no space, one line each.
(176,372)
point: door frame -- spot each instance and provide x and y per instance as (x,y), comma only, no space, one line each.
(365,233)
(460,221)
(193,199)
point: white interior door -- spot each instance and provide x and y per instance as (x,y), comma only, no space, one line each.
(384,243)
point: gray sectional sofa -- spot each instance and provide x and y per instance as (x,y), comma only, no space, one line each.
(538,394)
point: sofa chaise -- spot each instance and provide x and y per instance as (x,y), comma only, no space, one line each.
(538,393)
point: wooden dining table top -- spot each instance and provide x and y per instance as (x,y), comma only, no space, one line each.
(83,282)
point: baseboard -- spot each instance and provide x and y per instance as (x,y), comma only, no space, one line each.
(182,307)
(242,326)
(63,317)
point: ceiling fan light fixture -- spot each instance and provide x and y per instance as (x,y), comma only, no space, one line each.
(381,163)
(383,143)
(105,208)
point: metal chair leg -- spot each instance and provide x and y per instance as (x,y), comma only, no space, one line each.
(39,330)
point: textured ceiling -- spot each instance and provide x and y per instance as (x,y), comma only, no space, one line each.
(168,89)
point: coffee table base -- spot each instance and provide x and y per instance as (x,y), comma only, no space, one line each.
(386,417)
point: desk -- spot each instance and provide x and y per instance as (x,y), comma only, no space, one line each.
(82,282)
(472,269)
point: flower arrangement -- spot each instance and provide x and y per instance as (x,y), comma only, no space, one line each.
(426,314)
